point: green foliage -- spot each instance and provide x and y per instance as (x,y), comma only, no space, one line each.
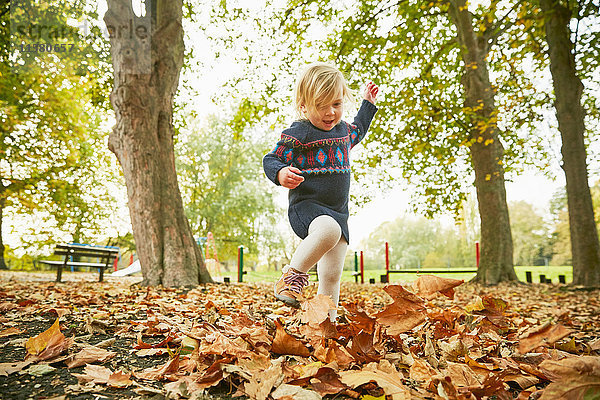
(531,238)
(224,189)
(421,243)
(53,159)
(561,234)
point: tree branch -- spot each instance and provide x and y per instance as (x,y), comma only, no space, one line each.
(440,51)
(498,29)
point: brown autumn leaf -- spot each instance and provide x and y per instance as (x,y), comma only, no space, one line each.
(10,332)
(284,343)
(405,300)
(58,311)
(316,310)
(327,381)
(10,368)
(463,375)
(47,344)
(358,320)
(89,355)
(142,345)
(261,383)
(331,352)
(428,286)
(103,375)
(162,371)
(406,312)
(389,380)
(542,336)
(37,344)
(292,392)
(397,319)
(422,371)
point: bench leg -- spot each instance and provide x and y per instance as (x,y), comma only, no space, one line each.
(101,275)
(59,273)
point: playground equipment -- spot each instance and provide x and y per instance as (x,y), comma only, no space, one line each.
(133,268)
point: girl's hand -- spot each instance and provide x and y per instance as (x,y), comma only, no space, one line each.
(289,177)
(370,93)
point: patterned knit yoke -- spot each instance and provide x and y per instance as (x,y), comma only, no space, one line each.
(323,157)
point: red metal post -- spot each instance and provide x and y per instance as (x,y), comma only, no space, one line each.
(387,260)
(362,268)
(477,255)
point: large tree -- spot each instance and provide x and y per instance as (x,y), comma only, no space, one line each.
(147,53)
(568,90)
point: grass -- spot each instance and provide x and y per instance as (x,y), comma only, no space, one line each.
(551,272)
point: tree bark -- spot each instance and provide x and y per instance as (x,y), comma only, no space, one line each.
(568,88)
(496,263)
(147,55)
(2,261)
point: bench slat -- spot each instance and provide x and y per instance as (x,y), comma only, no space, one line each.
(432,271)
(76,263)
(85,254)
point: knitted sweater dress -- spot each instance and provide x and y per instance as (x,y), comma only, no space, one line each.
(323,158)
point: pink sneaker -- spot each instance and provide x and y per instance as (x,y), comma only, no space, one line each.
(290,285)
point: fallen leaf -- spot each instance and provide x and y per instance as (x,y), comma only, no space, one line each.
(421,371)
(89,355)
(10,332)
(404,299)
(327,381)
(10,368)
(463,375)
(47,344)
(284,343)
(261,383)
(316,310)
(391,383)
(406,312)
(285,391)
(103,375)
(543,336)
(429,285)
(37,344)
(161,372)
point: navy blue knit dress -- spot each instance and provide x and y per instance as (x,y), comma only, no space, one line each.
(323,158)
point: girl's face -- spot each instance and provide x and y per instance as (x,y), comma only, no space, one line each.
(325,116)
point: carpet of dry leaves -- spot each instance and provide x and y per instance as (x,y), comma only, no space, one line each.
(435,338)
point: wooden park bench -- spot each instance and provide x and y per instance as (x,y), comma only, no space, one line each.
(105,257)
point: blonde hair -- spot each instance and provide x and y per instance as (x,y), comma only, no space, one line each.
(319,84)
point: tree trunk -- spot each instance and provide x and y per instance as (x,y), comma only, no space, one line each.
(147,54)
(568,88)
(496,263)
(2,261)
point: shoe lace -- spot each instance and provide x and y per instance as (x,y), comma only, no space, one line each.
(296,280)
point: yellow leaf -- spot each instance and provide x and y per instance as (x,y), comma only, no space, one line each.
(37,344)
(488,177)
(488,142)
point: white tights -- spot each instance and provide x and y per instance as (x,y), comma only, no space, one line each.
(325,246)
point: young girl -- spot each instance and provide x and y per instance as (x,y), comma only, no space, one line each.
(312,160)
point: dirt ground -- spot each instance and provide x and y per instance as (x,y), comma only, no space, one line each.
(436,340)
